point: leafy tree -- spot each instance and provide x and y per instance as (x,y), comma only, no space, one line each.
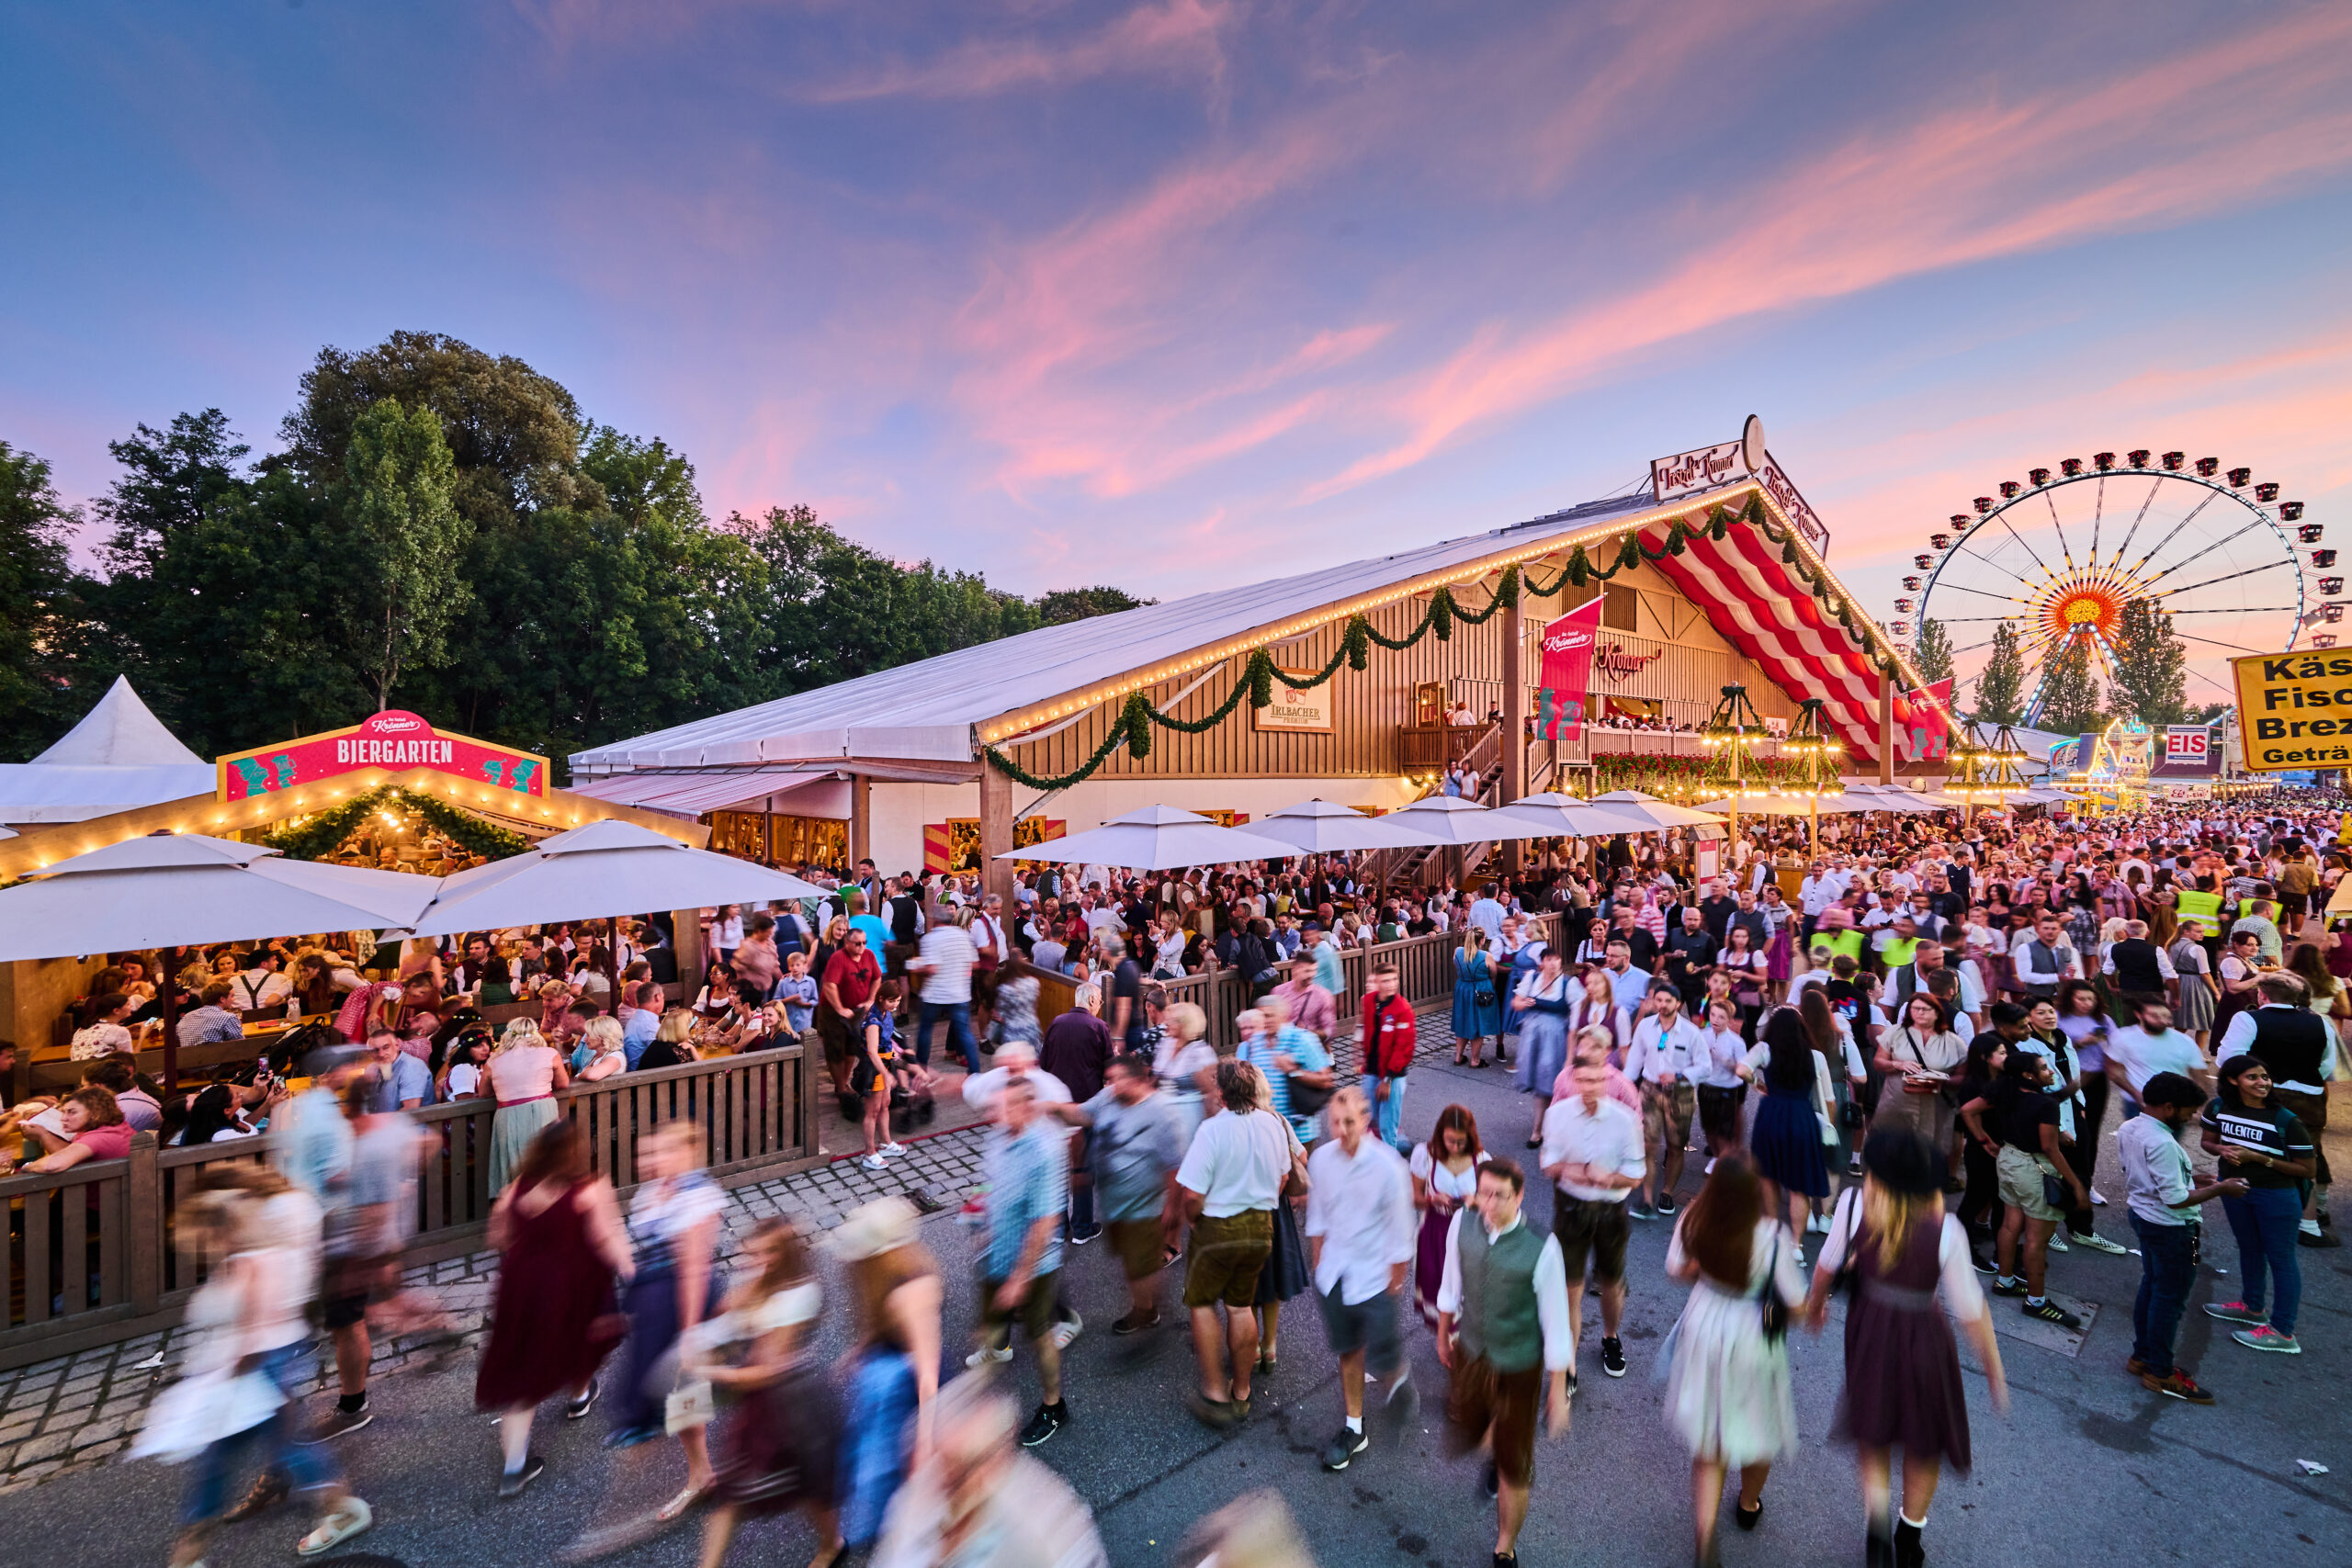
(2209,713)
(1081,603)
(391,527)
(2070,694)
(172,479)
(2150,667)
(1934,656)
(514,436)
(2000,685)
(40,608)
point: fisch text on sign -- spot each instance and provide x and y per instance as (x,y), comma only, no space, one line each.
(2295,710)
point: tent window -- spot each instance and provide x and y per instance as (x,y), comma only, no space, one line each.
(1620,608)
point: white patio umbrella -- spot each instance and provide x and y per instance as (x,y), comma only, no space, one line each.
(1449,819)
(1323,826)
(1795,805)
(1564,816)
(1894,798)
(606,868)
(188,890)
(1651,812)
(1157,837)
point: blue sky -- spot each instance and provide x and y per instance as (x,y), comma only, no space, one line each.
(1191,291)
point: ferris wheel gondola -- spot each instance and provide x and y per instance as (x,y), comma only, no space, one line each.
(2061,557)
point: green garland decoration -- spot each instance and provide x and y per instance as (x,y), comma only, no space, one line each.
(1133,725)
(325,830)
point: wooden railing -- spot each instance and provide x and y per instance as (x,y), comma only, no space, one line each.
(1432,747)
(92,1256)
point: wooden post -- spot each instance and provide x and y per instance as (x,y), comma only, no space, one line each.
(142,1215)
(1514,735)
(168,989)
(685,940)
(1886,729)
(861,820)
(995,833)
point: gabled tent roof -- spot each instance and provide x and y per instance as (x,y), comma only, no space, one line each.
(121,732)
(119,757)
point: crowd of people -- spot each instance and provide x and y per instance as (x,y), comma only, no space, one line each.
(1891,1060)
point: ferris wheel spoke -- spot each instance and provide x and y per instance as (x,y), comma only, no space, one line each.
(2174,535)
(1964,588)
(2208,550)
(2028,548)
(2154,487)
(2049,499)
(2098,513)
(2229,577)
(2234,647)
(2233,610)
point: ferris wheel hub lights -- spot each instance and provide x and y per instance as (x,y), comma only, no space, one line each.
(2238,478)
(2173,461)
(2070,466)
(2039,476)
(2106,460)
(2139,456)
(2265,491)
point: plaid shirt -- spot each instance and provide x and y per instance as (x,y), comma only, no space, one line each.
(1028,1181)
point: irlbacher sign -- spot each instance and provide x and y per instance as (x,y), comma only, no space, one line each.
(392,742)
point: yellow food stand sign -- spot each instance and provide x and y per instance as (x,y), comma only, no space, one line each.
(2295,710)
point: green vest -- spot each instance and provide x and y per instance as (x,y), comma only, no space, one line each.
(2193,905)
(1497,1318)
(1848,942)
(1900,952)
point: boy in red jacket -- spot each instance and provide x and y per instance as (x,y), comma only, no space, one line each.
(1387,1039)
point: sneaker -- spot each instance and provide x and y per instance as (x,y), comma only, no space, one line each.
(874,1162)
(2236,1312)
(1044,1425)
(340,1423)
(2057,1244)
(1983,1264)
(2312,1235)
(984,1357)
(2099,1243)
(2098,1199)
(2265,1337)
(2136,1367)
(1641,1211)
(578,1409)
(1666,1202)
(512,1486)
(2180,1385)
(1215,1414)
(894,1148)
(1612,1357)
(1343,1448)
(1080,1238)
(2000,1287)
(1131,1324)
(2050,1311)
(1068,1330)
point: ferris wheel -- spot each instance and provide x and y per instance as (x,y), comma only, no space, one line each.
(2060,557)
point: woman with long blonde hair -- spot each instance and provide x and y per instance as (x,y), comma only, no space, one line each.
(523,1074)
(1902,1252)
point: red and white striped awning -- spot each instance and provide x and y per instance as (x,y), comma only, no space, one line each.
(1773,618)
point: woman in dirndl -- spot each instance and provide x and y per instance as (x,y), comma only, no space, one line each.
(1780,947)
(1908,1263)
(784,1432)
(521,1075)
(1445,1176)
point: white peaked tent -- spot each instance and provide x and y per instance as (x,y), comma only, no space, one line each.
(118,758)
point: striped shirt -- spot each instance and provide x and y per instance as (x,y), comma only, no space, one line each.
(1028,1178)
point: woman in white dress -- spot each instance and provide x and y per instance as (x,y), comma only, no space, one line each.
(1727,1389)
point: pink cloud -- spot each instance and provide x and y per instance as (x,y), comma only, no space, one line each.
(1174,38)
(2198,133)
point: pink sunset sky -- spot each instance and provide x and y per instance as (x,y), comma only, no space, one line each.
(1197,291)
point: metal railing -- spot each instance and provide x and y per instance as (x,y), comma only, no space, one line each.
(92,1256)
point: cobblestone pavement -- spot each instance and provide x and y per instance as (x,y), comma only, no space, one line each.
(78,1411)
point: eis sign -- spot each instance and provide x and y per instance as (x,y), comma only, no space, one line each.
(393,742)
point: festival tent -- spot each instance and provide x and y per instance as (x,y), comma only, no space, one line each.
(119,757)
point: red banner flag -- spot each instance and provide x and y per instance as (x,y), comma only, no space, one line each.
(1566,672)
(1923,723)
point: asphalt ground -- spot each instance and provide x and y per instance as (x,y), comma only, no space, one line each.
(2087,1468)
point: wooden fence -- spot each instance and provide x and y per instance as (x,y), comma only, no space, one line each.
(92,1256)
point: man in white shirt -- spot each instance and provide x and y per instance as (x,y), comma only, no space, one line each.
(1666,1045)
(943,960)
(2045,960)
(1486,914)
(2141,1051)
(1720,1072)
(1227,1187)
(260,985)
(1014,1059)
(1360,1246)
(1925,960)
(1592,1153)
(1502,1333)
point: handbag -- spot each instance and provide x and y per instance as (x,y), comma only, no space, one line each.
(2054,1194)
(1775,1311)
(194,1412)
(1306,1098)
(690,1404)
(1850,1265)
(1483,992)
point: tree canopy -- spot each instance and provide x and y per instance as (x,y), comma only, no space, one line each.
(444,530)
(2070,696)
(2151,681)
(1934,656)
(2000,685)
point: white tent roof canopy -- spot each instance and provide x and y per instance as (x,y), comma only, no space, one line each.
(119,757)
(1157,837)
(613,867)
(121,732)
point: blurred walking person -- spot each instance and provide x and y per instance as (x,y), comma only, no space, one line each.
(1229,1184)
(560,1242)
(673,1236)
(1908,1265)
(1028,1176)
(979,1502)
(1360,1249)
(894,1371)
(1728,1390)
(783,1435)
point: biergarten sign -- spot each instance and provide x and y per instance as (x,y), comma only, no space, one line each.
(394,741)
(2294,710)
